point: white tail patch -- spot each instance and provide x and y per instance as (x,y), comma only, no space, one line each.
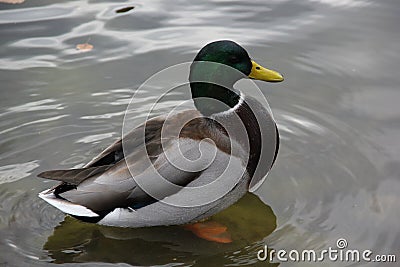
(66,206)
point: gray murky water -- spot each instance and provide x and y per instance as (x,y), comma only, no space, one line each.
(337,173)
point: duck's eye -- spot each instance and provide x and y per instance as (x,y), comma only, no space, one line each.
(234,59)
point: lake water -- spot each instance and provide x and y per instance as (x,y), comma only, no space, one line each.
(338,169)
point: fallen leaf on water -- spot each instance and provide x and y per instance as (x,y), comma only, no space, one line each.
(84,47)
(123,10)
(12,1)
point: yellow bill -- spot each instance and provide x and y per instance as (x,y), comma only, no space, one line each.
(263,74)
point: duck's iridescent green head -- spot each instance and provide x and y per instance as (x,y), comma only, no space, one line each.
(231,54)
(215,81)
(227,53)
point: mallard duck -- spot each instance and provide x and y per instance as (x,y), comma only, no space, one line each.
(185,167)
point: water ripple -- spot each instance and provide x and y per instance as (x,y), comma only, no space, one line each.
(94,138)
(15,172)
(35,14)
(36,105)
(33,122)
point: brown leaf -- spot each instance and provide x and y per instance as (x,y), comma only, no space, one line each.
(12,1)
(123,10)
(84,47)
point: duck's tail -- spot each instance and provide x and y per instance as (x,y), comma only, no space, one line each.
(66,206)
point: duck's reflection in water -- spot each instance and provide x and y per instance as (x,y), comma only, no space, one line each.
(248,222)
